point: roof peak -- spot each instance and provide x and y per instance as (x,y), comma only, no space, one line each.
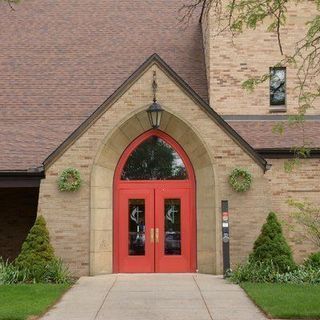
(151,60)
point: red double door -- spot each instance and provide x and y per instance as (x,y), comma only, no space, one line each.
(155,228)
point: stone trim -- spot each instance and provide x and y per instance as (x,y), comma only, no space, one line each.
(102,192)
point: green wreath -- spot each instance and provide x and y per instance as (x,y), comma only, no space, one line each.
(240,180)
(69,180)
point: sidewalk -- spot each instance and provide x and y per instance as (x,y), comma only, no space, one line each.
(154,297)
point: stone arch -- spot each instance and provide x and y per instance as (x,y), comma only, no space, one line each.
(101,184)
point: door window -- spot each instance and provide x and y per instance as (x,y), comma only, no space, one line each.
(154,159)
(172,227)
(136,227)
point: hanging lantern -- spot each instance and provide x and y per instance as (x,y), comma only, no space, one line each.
(154,114)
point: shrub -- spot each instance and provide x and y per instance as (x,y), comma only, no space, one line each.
(10,274)
(37,261)
(57,272)
(36,252)
(54,272)
(272,246)
(301,275)
(254,271)
(313,260)
(267,271)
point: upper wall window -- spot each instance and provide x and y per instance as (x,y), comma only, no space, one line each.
(278,86)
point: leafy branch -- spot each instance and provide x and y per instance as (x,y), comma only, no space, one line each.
(11,3)
(308,216)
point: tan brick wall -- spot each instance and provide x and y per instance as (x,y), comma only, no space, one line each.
(232,61)
(229,62)
(301,184)
(71,216)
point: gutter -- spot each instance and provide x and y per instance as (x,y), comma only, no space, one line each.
(29,173)
(29,178)
(284,153)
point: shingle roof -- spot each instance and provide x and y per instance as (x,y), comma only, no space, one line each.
(59,60)
(259,134)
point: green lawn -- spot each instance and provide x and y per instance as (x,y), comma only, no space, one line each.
(286,300)
(17,302)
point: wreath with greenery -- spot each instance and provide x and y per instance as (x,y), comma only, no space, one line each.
(240,180)
(69,180)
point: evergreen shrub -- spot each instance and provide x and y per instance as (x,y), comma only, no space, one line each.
(37,256)
(36,251)
(271,245)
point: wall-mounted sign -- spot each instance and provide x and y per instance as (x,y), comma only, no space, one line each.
(225,216)
(225,235)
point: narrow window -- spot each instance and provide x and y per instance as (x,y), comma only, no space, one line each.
(278,88)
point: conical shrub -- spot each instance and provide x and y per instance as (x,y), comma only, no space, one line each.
(272,246)
(36,252)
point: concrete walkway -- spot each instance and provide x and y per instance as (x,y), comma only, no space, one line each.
(154,297)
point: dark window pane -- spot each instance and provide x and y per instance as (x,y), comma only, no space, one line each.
(154,159)
(136,227)
(172,227)
(277,86)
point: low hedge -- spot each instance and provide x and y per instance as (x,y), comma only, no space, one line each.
(54,272)
(268,272)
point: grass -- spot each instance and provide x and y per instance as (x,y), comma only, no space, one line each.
(286,300)
(20,301)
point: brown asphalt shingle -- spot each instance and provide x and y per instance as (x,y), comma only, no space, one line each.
(59,60)
(259,134)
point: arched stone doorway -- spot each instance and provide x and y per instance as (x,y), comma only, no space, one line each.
(102,202)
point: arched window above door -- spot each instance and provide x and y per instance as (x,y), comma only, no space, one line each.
(154,159)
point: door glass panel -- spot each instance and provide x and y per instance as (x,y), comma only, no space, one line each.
(154,159)
(136,227)
(172,227)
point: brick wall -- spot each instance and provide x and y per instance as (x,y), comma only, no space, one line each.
(232,61)
(18,210)
(229,62)
(301,184)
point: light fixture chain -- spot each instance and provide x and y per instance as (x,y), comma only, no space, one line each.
(154,86)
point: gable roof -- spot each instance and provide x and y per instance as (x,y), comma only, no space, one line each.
(64,61)
(60,59)
(155,59)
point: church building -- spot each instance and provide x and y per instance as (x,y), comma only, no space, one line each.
(121,125)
